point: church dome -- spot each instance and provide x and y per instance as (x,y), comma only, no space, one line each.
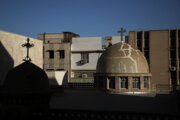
(26,78)
(122,58)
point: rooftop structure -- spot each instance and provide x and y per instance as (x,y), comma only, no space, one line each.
(122,68)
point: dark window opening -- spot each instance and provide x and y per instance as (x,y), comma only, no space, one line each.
(173,34)
(139,44)
(173,54)
(85,57)
(173,43)
(146,54)
(139,35)
(173,62)
(51,54)
(146,35)
(146,44)
(111,82)
(124,82)
(61,54)
(136,82)
(173,77)
(146,82)
(139,40)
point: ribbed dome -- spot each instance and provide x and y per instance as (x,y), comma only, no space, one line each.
(26,78)
(122,58)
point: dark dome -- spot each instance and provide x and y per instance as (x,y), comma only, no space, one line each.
(26,78)
(122,58)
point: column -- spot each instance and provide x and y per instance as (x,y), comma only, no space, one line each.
(117,83)
(107,80)
(130,83)
(141,82)
(149,83)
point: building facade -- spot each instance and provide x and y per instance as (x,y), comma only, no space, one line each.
(162,51)
(57,56)
(85,52)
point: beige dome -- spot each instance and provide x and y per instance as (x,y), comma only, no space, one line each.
(122,58)
(26,78)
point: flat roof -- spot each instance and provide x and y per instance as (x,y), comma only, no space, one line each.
(93,99)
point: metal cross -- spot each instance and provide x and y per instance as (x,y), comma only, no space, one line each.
(121,31)
(27,45)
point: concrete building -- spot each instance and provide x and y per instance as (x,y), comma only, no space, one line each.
(162,51)
(85,52)
(122,68)
(12,53)
(57,56)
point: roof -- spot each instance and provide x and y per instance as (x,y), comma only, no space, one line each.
(93,99)
(122,58)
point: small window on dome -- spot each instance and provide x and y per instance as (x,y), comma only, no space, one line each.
(112,82)
(124,82)
(146,80)
(136,82)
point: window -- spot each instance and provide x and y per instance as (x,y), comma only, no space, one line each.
(146,35)
(124,82)
(112,82)
(85,57)
(139,40)
(61,54)
(51,54)
(146,80)
(136,82)
(173,54)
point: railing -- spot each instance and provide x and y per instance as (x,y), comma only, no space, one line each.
(79,85)
(82,80)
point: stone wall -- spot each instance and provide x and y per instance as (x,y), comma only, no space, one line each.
(12,53)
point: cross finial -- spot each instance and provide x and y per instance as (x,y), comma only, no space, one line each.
(27,45)
(121,31)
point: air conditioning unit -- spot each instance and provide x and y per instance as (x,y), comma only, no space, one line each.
(83,61)
(173,69)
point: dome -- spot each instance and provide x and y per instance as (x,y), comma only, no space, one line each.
(26,78)
(122,58)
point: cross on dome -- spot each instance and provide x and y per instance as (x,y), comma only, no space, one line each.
(121,31)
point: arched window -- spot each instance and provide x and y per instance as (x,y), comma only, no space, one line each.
(124,82)
(136,82)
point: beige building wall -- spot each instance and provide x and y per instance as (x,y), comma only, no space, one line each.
(159,66)
(160,56)
(12,53)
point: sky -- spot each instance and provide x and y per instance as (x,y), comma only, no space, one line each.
(88,18)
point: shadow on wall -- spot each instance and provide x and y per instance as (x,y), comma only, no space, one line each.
(65,79)
(6,63)
(57,78)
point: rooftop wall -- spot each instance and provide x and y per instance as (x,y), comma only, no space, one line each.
(86,43)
